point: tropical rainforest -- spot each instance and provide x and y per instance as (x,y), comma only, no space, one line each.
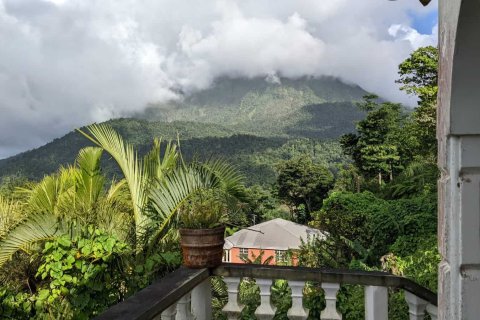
(91,218)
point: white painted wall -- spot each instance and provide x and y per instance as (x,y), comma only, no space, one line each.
(459,159)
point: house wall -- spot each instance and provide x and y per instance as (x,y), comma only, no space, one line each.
(253,252)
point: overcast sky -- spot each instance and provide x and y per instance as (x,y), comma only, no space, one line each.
(67,63)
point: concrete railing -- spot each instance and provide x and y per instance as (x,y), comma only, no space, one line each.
(186,294)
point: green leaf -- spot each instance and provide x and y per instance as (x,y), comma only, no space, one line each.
(48,245)
(43,294)
(67,278)
(64,242)
(36,227)
(109,244)
(70,259)
(57,256)
(149,265)
(86,250)
(27,306)
(39,304)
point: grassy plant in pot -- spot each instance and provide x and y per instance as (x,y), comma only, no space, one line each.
(202,230)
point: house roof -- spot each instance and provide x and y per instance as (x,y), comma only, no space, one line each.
(278,234)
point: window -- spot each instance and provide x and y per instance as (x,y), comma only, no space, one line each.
(243,253)
(226,255)
(280,256)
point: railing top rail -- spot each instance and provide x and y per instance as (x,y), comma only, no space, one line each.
(151,301)
(367,278)
(160,295)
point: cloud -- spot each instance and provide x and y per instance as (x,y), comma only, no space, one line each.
(66,63)
(416,39)
(236,47)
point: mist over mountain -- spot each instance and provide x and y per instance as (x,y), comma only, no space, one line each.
(266,106)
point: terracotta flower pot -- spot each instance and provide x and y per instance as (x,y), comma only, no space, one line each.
(202,248)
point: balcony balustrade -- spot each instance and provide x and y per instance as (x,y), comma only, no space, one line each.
(186,293)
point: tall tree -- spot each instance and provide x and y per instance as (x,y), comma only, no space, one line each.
(419,76)
(302,183)
(375,149)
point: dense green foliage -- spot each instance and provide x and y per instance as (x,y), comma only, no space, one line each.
(255,156)
(382,212)
(303,185)
(81,272)
(365,227)
(78,245)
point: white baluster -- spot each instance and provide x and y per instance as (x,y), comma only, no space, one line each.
(432,311)
(330,312)
(376,303)
(232,309)
(202,301)
(184,308)
(416,306)
(169,313)
(297,311)
(265,310)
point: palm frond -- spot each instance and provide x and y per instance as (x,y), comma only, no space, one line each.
(178,186)
(52,193)
(257,259)
(158,165)
(10,214)
(37,227)
(225,176)
(114,212)
(172,192)
(89,179)
(116,189)
(132,168)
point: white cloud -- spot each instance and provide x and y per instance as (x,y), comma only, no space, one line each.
(57,2)
(247,47)
(65,63)
(407,33)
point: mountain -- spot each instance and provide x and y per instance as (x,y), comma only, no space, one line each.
(266,108)
(253,122)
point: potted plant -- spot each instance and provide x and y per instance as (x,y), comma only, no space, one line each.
(202,221)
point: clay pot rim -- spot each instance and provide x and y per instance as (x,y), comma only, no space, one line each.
(209,231)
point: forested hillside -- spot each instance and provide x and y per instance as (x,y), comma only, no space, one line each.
(253,122)
(268,108)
